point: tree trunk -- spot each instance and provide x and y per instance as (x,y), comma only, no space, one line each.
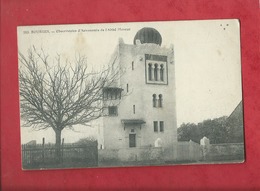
(58,145)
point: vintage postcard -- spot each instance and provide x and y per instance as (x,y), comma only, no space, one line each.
(130,94)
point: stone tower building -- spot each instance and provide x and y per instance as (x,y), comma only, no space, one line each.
(141,104)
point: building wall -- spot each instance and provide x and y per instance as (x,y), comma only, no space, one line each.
(116,134)
(181,152)
(98,125)
(224,152)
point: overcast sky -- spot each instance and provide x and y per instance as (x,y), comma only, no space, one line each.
(207,60)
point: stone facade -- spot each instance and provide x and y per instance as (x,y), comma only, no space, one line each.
(142,108)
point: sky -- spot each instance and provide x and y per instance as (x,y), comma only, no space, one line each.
(207,61)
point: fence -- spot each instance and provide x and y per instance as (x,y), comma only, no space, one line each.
(224,152)
(181,152)
(87,155)
(71,155)
(189,151)
(130,156)
(194,152)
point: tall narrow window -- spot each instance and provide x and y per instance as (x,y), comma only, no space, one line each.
(154,100)
(161,126)
(108,94)
(149,72)
(116,94)
(134,109)
(160,100)
(133,65)
(156,72)
(127,88)
(105,94)
(155,126)
(161,73)
(111,94)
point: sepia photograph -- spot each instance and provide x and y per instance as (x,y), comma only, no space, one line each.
(130,94)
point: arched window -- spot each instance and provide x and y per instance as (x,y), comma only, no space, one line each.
(156,72)
(161,73)
(149,72)
(154,100)
(160,101)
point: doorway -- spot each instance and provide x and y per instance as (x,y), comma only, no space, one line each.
(132,140)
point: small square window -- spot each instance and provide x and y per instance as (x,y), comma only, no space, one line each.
(112,110)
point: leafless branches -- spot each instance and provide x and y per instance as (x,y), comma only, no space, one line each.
(60,94)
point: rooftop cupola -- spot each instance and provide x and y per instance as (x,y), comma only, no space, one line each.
(148,35)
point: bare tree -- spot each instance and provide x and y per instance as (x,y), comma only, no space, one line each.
(56,94)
